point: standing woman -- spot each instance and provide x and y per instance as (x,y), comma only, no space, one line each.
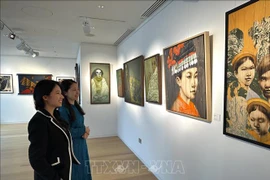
(72,112)
(50,150)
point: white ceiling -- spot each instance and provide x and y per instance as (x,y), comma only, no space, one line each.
(54,28)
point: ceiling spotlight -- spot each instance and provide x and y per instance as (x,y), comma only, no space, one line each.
(35,54)
(100,6)
(12,36)
(86,27)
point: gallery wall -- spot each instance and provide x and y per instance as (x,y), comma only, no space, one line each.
(20,108)
(101,118)
(176,147)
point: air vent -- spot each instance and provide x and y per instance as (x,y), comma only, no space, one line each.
(152,8)
(119,40)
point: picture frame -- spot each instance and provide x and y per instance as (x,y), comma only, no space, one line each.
(134,81)
(100,83)
(247,73)
(61,78)
(153,83)
(27,82)
(120,82)
(188,77)
(78,79)
(6,84)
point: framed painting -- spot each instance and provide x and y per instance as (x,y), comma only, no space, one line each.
(6,84)
(61,78)
(27,82)
(77,78)
(188,77)
(133,81)
(100,83)
(119,79)
(152,72)
(247,73)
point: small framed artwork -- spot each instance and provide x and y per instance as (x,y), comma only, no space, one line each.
(133,81)
(152,72)
(188,77)
(6,84)
(61,78)
(100,83)
(120,86)
(27,82)
(247,73)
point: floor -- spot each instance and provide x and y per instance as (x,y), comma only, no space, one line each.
(110,158)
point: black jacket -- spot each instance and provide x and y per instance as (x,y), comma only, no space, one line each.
(50,151)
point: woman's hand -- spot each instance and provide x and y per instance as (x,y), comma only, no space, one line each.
(87,132)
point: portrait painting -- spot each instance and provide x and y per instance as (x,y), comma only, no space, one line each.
(61,78)
(188,77)
(120,84)
(247,73)
(100,83)
(134,81)
(27,82)
(152,72)
(77,79)
(6,84)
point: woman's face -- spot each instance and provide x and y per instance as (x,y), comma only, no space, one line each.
(245,72)
(73,92)
(188,83)
(259,122)
(55,98)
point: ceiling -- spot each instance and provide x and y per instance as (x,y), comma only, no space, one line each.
(54,28)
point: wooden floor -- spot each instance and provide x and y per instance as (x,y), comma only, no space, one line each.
(110,158)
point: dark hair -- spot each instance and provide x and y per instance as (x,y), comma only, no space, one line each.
(241,61)
(65,85)
(259,108)
(264,66)
(43,88)
(94,72)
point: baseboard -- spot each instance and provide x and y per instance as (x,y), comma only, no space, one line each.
(140,158)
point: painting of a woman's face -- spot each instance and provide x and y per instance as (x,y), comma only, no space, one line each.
(188,83)
(259,122)
(245,72)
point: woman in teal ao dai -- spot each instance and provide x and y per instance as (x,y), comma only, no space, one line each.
(72,112)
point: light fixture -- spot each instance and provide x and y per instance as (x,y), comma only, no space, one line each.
(87,28)
(100,6)
(12,36)
(22,46)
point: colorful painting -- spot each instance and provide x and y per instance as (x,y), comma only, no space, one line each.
(27,82)
(6,84)
(247,73)
(100,83)
(188,77)
(133,81)
(152,71)
(120,86)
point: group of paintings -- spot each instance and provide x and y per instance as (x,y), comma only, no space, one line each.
(27,82)
(187,78)
(247,73)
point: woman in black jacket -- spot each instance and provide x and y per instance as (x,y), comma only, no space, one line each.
(50,151)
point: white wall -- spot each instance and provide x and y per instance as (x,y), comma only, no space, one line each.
(20,108)
(101,118)
(199,148)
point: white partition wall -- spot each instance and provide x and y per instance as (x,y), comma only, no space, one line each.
(20,108)
(189,149)
(101,118)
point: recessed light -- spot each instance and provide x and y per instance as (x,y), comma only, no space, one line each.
(100,6)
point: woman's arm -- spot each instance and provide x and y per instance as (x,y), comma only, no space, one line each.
(38,137)
(75,131)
